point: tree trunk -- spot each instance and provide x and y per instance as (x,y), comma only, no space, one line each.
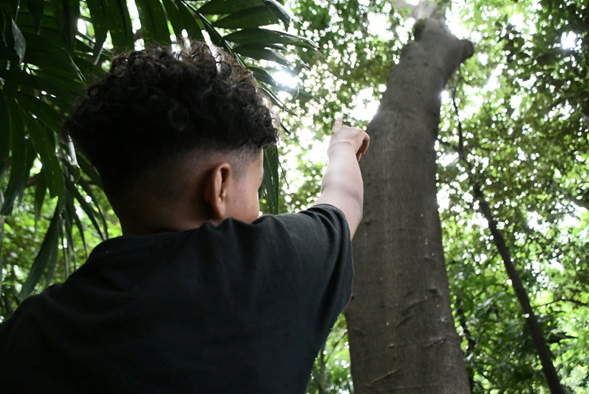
(522,296)
(401,329)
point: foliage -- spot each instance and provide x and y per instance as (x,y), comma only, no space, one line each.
(522,104)
(49,51)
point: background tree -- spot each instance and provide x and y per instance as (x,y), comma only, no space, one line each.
(523,88)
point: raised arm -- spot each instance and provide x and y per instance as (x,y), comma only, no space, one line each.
(342,184)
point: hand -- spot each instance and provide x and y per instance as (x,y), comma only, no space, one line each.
(357,137)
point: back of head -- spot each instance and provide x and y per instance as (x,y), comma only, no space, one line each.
(157,109)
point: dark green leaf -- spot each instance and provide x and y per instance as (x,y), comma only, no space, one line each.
(216,37)
(98,12)
(89,170)
(260,52)
(249,18)
(263,76)
(192,27)
(18,170)
(265,36)
(40,193)
(5,134)
(69,233)
(50,272)
(119,24)
(175,17)
(46,150)
(46,256)
(67,13)
(88,190)
(71,210)
(153,22)
(228,6)
(36,8)
(280,11)
(50,57)
(90,211)
(43,111)
(271,178)
(36,82)
(276,101)
(20,44)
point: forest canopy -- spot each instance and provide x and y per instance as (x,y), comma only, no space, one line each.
(513,136)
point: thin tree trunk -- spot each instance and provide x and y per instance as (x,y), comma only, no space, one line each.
(401,329)
(522,297)
(518,287)
(469,339)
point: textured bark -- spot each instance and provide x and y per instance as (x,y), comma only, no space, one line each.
(401,330)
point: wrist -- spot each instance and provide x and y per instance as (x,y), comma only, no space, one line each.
(341,147)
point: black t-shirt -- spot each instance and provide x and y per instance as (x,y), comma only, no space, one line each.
(238,308)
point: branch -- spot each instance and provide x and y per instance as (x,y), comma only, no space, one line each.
(573,301)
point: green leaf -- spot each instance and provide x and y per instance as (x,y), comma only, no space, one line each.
(36,8)
(43,111)
(46,256)
(280,11)
(69,233)
(228,6)
(216,37)
(20,44)
(51,57)
(46,150)
(18,170)
(153,22)
(271,178)
(40,193)
(89,170)
(261,52)
(88,190)
(266,36)
(175,17)
(5,134)
(67,13)
(249,18)
(91,212)
(71,211)
(98,13)
(39,83)
(119,24)
(192,27)
(50,272)
(276,101)
(263,76)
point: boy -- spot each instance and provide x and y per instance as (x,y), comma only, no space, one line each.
(199,295)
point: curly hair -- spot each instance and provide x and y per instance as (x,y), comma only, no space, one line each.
(158,105)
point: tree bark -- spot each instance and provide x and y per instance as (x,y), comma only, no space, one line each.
(401,329)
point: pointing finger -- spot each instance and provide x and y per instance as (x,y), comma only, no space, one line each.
(338,122)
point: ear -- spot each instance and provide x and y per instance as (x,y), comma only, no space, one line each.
(216,186)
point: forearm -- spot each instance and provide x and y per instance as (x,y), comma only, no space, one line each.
(342,184)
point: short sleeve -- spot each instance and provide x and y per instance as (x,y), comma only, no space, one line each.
(319,239)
